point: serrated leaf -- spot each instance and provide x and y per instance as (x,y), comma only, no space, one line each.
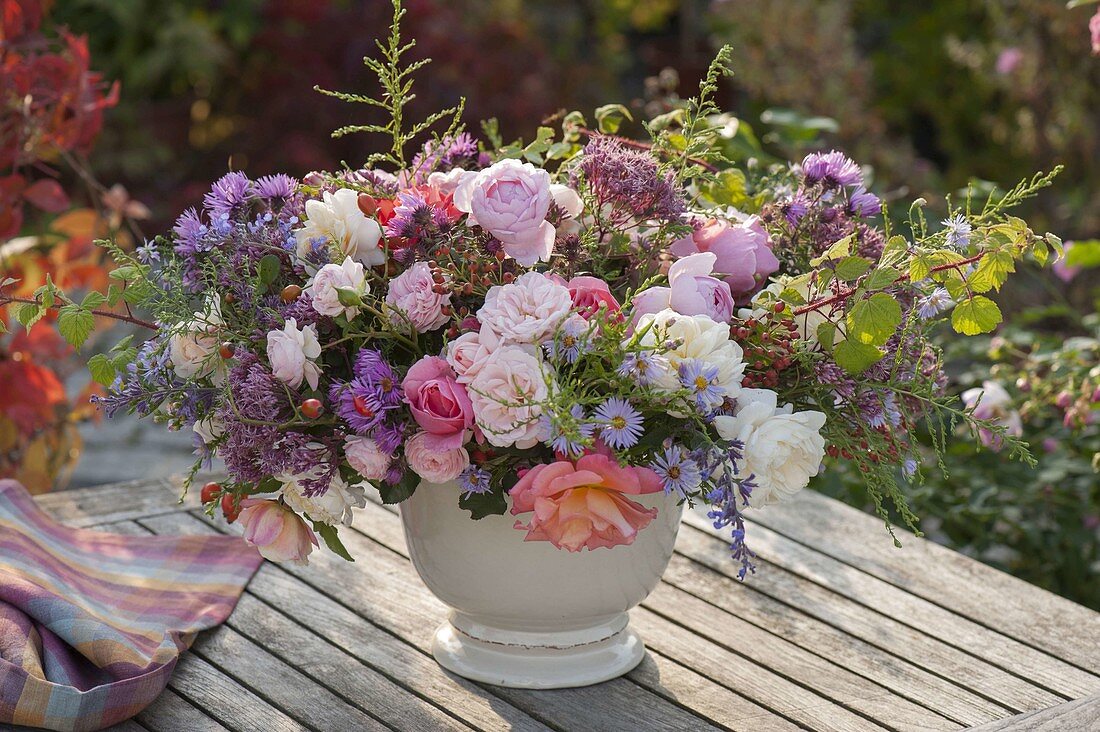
(396,493)
(826,334)
(114,294)
(956,288)
(852,268)
(93,300)
(101,368)
(126,273)
(874,320)
(609,117)
(919,268)
(481,505)
(331,538)
(29,313)
(976,315)
(840,249)
(855,357)
(894,251)
(992,271)
(882,277)
(792,296)
(75,324)
(123,344)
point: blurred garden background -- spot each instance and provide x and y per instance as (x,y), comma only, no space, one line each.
(115,115)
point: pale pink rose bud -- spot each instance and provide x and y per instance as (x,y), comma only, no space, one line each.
(292,352)
(277,532)
(433,464)
(324,290)
(743,252)
(365,458)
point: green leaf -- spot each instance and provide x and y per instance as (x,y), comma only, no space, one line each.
(919,268)
(992,271)
(481,505)
(332,540)
(114,294)
(838,250)
(826,334)
(854,357)
(101,368)
(1084,254)
(396,493)
(269,268)
(93,300)
(29,314)
(75,324)
(609,117)
(894,251)
(874,320)
(852,268)
(126,273)
(882,277)
(792,297)
(976,315)
(729,188)
(123,344)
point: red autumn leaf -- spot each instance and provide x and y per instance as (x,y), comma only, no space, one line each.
(30,394)
(48,195)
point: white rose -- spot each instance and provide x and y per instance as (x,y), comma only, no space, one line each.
(323,289)
(292,352)
(334,507)
(783,449)
(193,349)
(567,200)
(337,217)
(697,337)
(528,310)
(365,458)
(507,396)
(209,429)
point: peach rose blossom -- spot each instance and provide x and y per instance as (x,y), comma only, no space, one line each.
(277,532)
(584,504)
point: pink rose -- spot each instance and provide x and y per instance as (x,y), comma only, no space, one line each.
(691,291)
(510,199)
(438,403)
(744,256)
(467,353)
(292,352)
(508,395)
(433,464)
(584,504)
(280,534)
(365,458)
(412,293)
(1094,29)
(329,280)
(588,294)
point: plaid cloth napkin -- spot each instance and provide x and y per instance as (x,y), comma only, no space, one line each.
(92,624)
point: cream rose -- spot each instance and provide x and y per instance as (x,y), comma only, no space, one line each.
(333,507)
(507,396)
(324,289)
(528,310)
(337,218)
(193,350)
(694,337)
(782,448)
(466,355)
(431,463)
(292,351)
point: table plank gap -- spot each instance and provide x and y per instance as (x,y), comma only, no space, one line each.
(170,712)
(1081,715)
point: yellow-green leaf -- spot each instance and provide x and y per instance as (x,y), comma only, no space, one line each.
(874,320)
(976,315)
(854,357)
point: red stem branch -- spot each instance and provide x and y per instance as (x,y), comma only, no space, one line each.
(6,299)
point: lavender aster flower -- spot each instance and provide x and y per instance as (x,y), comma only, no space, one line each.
(621,424)
(389,436)
(701,379)
(833,169)
(278,187)
(474,480)
(641,366)
(677,471)
(934,303)
(569,342)
(572,435)
(229,194)
(445,154)
(864,203)
(357,403)
(797,207)
(958,231)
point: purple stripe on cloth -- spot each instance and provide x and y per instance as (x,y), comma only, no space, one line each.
(92,624)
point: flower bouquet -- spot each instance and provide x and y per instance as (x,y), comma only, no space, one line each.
(542,351)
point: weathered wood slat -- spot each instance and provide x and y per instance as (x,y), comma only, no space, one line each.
(171,713)
(915,664)
(1082,715)
(383,525)
(942,576)
(116,502)
(1000,650)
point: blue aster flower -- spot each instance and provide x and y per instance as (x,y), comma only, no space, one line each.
(620,423)
(958,231)
(641,366)
(474,480)
(677,471)
(572,435)
(701,379)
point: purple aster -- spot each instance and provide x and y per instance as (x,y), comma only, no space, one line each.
(445,154)
(358,404)
(677,471)
(864,203)
(276,187)
(641,366)
(797,207)
(731,493)
(474,480)
(833,169)
(909,468)
(569,342)
(372,370)
(934,303)
(620,423)
(229,193)
(389,436)
(189,228)
(958,231)
(701,379)
(410,211)
(571,434)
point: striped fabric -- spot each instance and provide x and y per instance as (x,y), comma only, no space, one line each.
(92,624)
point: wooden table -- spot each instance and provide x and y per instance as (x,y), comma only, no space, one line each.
(836,631)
